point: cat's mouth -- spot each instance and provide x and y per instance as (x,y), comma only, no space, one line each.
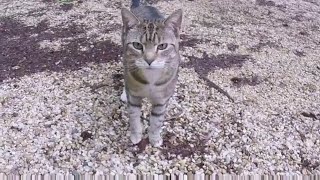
(150,66)
(153,67)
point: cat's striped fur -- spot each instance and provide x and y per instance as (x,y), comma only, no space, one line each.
(151,61)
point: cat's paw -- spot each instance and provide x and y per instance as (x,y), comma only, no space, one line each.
(135,137)
(123,96)
(156,141)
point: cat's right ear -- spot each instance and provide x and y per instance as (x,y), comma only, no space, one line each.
(128,18)
(175,19)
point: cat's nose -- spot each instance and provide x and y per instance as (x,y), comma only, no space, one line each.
(149,58)
(149,61)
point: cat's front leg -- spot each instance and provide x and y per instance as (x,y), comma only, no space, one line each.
(156,122)
(136,126)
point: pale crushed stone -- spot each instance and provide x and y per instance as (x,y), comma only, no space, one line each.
(43,115)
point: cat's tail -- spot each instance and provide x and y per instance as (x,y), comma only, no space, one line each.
(135,3)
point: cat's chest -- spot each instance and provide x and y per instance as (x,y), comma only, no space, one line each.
(149,84)
(144,90)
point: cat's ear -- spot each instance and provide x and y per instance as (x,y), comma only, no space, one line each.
(128,18)
(174,20)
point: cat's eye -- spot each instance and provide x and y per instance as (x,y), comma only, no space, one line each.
(137,45)
(162,46)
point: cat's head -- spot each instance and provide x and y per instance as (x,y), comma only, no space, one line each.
(151,43)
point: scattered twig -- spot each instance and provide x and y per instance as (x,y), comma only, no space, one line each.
(94,87)
(219,89)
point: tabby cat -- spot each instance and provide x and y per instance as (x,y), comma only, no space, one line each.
(151,61)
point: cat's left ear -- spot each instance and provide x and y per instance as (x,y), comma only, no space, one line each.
(128,18)
(174,20)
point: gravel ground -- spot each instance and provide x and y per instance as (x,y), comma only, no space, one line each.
(61,80)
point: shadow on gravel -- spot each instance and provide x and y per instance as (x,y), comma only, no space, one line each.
(21,54)
(242,81)
(173,147)
(189,41)
(207,63)
(265,3)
